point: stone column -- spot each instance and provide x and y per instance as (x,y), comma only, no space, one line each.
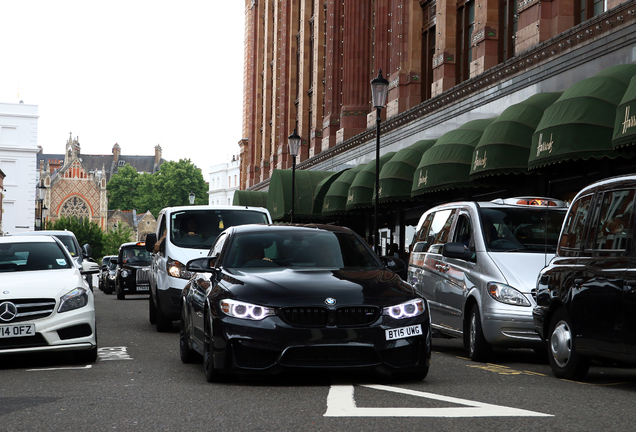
(333,73)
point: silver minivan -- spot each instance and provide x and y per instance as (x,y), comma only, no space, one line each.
(477,264)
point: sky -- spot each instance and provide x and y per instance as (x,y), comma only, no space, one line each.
(136,72)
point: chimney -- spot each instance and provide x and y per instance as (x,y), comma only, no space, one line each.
(116,153)
(157,155)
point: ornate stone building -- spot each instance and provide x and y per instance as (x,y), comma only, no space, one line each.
(76,183)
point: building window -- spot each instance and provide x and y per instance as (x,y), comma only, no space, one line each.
(508,17)
(465,28)
(75,207)
(428,48)
(590,8)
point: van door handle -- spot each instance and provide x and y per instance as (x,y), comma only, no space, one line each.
(442,268)
(578,282)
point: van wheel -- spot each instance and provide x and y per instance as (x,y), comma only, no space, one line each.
(152,311)
(164,324)
(478,347)
(565,362)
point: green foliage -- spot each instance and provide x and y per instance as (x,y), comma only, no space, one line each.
(84,230)
(123,189)
(114,239)
(167,188)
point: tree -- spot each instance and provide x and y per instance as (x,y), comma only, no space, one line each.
(123,189)
(114,239)
(84,230)
(171,186)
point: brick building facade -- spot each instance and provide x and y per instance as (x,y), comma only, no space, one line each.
(308,63)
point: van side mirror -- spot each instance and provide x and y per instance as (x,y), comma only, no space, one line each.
(456,250)
(151,239)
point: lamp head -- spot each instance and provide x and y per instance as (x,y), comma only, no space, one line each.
(379,90)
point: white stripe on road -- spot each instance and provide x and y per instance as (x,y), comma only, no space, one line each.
(61,368)
(341,403)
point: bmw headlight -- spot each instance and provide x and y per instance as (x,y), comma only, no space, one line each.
(75,299)
(507,294)
(409,309)
(177,269)
(238,309)
(125,273)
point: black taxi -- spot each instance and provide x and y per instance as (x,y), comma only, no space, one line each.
(133,268)
(586,296)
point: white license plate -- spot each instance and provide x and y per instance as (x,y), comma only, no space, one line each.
(142,288)
(404,332)
(17,330)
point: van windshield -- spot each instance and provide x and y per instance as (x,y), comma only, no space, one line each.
(521,229)
(198,229)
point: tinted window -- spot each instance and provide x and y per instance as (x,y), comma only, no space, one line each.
(70,245)
(572,236)
(613,221)
(300,249)
(521,229)
(32,256)
(199,229)
(440,227)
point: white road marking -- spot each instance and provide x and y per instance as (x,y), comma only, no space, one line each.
(113,353)
(61,368)
(341,403)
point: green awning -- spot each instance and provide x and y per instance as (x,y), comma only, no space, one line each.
(504,147)
(396,176)
(321,191)
(625,123)
(580,124)
(250,198)
(335,201)
(447,164)
(362,190)
(279,198)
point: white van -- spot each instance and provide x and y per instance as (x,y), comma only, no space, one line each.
(185,233)
(477,264)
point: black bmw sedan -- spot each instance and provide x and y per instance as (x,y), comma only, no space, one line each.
(275,297)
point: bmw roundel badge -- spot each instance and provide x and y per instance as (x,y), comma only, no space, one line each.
(330,301)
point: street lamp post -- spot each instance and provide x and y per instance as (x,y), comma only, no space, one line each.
(294,147)
(379,90)
(191,198)
(42,210)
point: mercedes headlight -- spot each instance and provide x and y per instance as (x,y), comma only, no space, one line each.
(507,294)
(238,309)
(75,299)
(409,309)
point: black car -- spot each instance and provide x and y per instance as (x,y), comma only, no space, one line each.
(133,268)
(586,297)
(110,276)
(275,297)
(103,271)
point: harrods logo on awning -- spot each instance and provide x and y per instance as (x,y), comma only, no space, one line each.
(629,121)
(422,180)
(350,197)
(479,162)
(544,145)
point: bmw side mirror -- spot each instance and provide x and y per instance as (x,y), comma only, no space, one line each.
(396,265)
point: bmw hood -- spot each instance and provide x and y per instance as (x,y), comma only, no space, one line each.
(40,284)
(291,287)
(520,270)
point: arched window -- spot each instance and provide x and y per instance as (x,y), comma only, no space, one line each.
(75,207)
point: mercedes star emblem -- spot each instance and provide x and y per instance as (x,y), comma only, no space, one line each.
(8,311)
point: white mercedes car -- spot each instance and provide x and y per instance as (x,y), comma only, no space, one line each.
(45,303)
